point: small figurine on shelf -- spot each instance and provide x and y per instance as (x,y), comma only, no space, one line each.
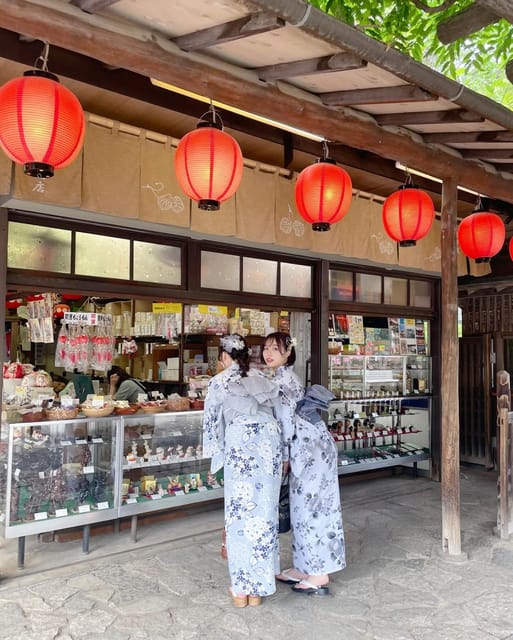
(189,452)
(159,451)
(174,484)
(194,482)
(180,453)
(147,450)
(39,438)
(199,451)
(171,452)
(212,480)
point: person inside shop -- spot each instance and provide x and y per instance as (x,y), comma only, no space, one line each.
(123,386)
(241,434)
(318,546)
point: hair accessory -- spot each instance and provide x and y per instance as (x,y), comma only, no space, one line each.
(231,342)
(292,342)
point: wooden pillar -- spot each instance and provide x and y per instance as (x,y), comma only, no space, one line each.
(450,445)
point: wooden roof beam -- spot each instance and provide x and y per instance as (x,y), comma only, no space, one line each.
(324,64)
(454,116)
(229,31)
(377,95)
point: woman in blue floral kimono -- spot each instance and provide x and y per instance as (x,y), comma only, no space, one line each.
(318,547)
(242,434)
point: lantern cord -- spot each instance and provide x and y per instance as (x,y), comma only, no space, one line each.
(325,150)
(43,58)
(408,181)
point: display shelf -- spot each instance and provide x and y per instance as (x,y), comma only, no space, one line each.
(163,464)
(380,457)
(367,439)
(378,377)
(60,474)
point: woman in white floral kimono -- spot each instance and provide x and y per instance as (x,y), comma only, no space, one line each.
(242,434)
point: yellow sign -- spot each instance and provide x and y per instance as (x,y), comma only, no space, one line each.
(166,307)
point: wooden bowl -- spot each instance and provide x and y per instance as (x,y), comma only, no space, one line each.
(97,412)
(58,413)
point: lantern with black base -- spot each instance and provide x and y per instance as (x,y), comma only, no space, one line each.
(208,163)
(323,193)
(408,214)
(481,235)
(42,124)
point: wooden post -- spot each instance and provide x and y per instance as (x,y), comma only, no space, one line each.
(503,455)
(450,449)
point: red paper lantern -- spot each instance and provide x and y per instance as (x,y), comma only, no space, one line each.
(208,165)
(481,235)
(42,124)
(511,248)
(408,215)
(323,194)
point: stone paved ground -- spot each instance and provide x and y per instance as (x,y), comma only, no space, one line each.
(397,586)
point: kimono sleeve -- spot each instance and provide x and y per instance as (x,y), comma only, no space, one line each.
(213,429)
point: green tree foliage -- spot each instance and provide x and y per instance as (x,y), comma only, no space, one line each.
(477,61)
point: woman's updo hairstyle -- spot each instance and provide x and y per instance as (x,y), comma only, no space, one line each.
(236,347)
(285,344)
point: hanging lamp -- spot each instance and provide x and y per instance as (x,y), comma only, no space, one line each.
(408,214)
(511,248)
(208,163)
(481,235)
(323,193)
(42,124)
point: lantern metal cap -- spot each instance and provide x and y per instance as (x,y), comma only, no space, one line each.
(208,205)
(40,73)
(321,226)
(38,169)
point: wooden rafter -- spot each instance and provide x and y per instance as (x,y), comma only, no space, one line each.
(454,116)
(492,154)
(91,6)
(235,30)
(379,95)
(492,137)
(324,64)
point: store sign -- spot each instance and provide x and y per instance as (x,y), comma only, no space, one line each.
(91,319)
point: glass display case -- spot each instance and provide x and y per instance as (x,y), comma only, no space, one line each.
(163,464)
(60,474)
(379,376)
(383,433)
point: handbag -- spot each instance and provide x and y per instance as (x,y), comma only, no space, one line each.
(284,506)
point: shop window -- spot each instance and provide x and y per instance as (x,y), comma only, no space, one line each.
(220,271)
(102,256)
(341,285)
(295,280)
(39,248)
(368,288)
(157,263)
(420,294)
(395,291)
(260,276)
